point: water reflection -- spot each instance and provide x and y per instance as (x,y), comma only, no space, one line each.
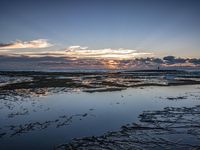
(58,122)
(170,128)
(72,105)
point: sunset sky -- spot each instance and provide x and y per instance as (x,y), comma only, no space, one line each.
(36,34)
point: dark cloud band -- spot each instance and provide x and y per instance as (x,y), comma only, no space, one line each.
(49,62)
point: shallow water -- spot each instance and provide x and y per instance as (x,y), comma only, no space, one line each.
(78,114)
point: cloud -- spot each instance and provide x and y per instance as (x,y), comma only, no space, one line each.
(76,48)
(194,61)
(85,52)
(174,60)
(40,54)
(39,43)
(78,57)
(63,62)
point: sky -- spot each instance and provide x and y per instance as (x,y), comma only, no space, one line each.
(99,32)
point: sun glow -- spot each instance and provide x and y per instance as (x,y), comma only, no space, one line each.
(111,64)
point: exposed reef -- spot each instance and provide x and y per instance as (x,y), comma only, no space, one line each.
(94,81)
(171,128)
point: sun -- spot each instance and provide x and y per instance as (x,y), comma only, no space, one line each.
(111,64)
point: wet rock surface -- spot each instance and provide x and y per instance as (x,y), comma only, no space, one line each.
(64,120)
(94,81)
(156,130)
(170,128)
